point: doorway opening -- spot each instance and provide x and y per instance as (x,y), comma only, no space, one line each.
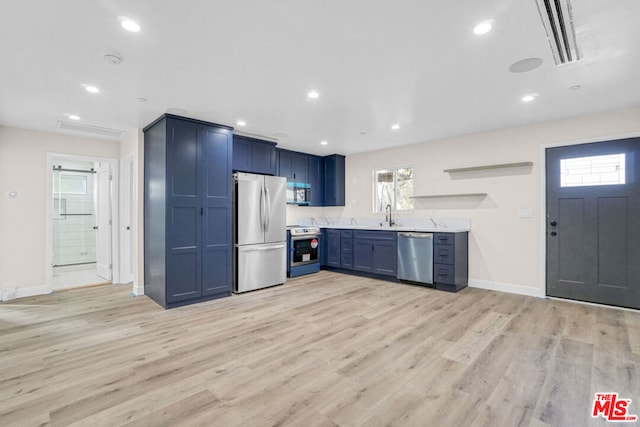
(80,221)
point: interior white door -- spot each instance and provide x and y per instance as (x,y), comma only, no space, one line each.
(103,214)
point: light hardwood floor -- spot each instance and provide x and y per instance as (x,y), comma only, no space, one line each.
(322,350)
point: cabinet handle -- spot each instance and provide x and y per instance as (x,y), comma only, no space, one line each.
(201,211)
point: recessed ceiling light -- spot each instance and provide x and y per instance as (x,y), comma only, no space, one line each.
(91,89)
(130,25)
(528,98)
(395,126)
(313,94)
(484,27)
(241,123)
(74,117)
(324,143)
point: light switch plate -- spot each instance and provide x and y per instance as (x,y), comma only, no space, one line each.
(525,213)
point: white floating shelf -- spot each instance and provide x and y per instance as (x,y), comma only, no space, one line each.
(488,167)
(450,195)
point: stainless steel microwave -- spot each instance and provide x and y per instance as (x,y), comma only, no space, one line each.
(298,193)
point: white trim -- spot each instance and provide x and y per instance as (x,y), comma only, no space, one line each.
(543,194)
(8,294)
(138,290)
(127,219)
(506,287)
(51,159)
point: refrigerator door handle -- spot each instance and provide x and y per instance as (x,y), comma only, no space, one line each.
(262,248)
(262,213)
(267,218)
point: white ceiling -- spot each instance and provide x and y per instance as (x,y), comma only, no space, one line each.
(374,63)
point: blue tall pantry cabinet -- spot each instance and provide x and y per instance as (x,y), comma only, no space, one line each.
(187,211)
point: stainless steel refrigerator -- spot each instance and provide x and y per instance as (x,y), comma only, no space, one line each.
(260,231)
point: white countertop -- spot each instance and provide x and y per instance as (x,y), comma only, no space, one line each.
(397,228)
(424,225)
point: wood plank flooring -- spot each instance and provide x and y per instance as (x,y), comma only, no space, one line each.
(322,350)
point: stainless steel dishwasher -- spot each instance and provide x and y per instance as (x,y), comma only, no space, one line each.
(415,257)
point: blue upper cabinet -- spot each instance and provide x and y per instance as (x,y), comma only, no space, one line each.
(294,166)
(325,175)
(254,155)
(334,180)
(316,173)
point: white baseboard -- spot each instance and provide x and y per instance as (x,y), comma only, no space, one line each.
(10,293)
(507,287)
(137,290)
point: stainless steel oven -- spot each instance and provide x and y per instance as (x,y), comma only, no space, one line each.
(304,250)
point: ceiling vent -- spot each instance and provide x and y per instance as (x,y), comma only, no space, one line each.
(93,130)
(557,19)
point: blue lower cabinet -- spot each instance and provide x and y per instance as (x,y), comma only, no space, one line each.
(332,244)
(346,249)
(375,252)
(363,255)
(450,261)
(385,255)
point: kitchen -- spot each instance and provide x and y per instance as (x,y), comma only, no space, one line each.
(507,223)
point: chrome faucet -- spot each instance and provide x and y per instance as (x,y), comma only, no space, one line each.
(313,221)
(353,221)
(388,218)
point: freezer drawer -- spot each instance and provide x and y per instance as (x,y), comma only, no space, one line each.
(415,257)
(260,266)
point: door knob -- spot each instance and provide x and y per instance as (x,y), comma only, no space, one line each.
(95,227)
(553,223)
(553,233)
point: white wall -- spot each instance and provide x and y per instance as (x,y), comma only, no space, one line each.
(505,252)
(23,157)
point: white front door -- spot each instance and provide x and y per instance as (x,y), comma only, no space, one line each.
(103,214)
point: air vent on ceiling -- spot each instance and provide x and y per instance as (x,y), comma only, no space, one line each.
(557,19)
(93,130)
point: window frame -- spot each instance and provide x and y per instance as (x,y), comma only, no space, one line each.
(374,187)
(587,176)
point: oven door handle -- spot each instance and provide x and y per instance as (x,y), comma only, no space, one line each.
(307,237)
